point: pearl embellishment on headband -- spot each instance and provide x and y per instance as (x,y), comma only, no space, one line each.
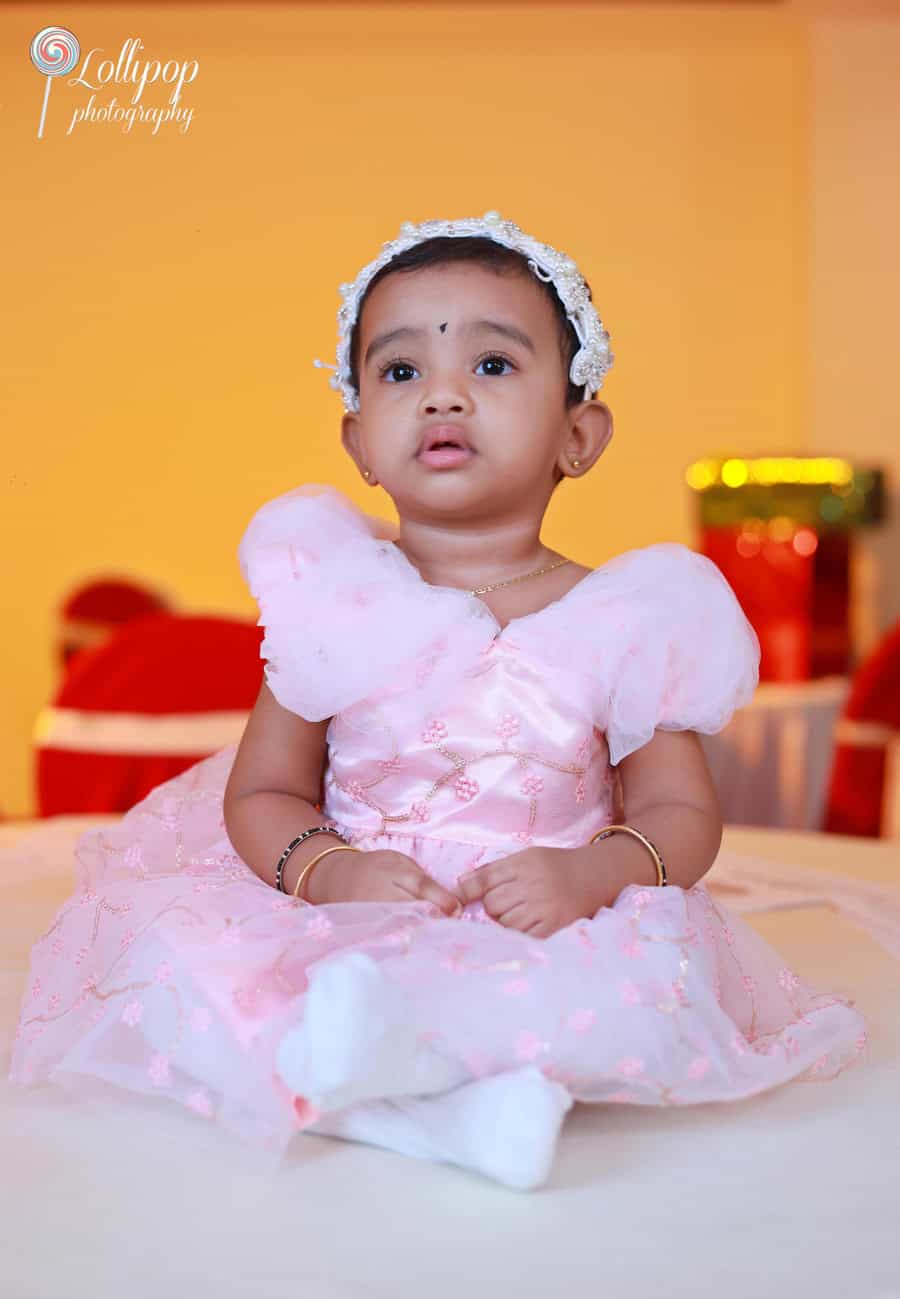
(589,364)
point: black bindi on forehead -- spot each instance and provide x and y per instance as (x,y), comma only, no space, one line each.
(442,327)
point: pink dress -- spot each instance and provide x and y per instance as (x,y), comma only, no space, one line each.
(174,971)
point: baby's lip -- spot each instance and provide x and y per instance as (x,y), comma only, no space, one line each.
(444,433)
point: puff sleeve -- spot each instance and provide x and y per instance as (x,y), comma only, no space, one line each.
(679,655)
(344,613)
(307,559)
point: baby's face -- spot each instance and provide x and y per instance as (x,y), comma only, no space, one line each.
(505,390)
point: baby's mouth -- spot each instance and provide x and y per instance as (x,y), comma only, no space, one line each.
(446,455)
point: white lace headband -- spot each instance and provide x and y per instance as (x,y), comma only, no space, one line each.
(589,364)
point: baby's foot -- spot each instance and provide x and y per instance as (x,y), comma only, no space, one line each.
(505,1126)
(358,1040)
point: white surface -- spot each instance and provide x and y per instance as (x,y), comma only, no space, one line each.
(794,1191)
(772,763)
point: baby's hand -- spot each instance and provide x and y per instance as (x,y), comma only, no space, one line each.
(538,891)
(381,875)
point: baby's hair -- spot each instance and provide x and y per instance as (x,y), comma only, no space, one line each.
(445,249)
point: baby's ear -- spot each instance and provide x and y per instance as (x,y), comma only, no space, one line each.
(596,427)
(350,438)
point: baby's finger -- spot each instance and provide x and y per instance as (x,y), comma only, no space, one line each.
(539,929)
(516,917)
(472,887)
(501,897)
(430,891)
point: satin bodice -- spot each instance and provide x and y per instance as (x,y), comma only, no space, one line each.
(504,756)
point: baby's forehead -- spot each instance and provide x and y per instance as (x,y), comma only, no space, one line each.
(454,298)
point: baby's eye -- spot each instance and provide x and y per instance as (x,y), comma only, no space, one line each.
(395,365)
(388,370)
(493,359)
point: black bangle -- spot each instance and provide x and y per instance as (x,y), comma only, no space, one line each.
(282,860)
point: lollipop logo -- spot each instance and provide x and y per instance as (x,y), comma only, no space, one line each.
(54,52)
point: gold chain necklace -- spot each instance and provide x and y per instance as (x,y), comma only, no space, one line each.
(480,590)
(493,586)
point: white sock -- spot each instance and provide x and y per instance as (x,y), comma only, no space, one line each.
(358,1040)
(505,1126)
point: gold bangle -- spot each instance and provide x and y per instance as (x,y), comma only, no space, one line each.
(661,878)
(346,847)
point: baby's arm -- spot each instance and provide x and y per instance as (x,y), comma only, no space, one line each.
(273,789)
(668,795)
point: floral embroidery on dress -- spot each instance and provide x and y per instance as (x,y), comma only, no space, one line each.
(436,733)
(507,727)
(460,777)
(465,788)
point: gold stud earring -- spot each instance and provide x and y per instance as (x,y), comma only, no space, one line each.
(365,473)
(575,464)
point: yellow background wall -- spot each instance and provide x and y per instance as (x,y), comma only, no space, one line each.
(169,292)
